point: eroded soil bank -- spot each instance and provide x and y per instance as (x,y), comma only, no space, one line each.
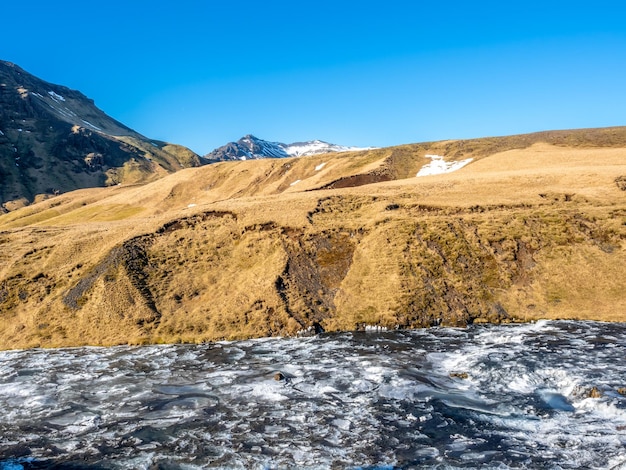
(357,261)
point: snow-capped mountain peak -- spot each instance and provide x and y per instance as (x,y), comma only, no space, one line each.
(250,147)
(299,149)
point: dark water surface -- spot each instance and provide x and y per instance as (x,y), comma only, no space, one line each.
(519,396)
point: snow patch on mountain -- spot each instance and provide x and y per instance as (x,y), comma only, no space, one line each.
(56,96)
(439,166)
(96,127)
(301,149)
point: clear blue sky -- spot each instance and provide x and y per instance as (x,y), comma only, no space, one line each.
(366,73)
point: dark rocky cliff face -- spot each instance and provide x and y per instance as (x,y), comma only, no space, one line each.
(53,139)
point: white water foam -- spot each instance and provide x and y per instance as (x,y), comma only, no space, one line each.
(494,397)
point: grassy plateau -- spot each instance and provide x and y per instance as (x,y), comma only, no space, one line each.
(534,227)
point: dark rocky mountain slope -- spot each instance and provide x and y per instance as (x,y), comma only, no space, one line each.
(54,139)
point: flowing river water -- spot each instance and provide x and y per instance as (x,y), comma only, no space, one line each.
(541,395)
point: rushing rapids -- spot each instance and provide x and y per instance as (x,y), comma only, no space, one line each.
(543,395)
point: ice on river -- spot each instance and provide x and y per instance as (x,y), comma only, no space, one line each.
(486,396)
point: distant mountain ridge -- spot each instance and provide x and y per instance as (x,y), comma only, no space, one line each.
(54,139)
(250,147)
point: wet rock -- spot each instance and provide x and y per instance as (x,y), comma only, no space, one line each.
(284,377)
(314,329)
(459,375)
(317,328)
(19,450)
(593,392)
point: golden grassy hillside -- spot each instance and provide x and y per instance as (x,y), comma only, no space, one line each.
(534,227)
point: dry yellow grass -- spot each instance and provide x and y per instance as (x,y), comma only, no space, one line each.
(237,250)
